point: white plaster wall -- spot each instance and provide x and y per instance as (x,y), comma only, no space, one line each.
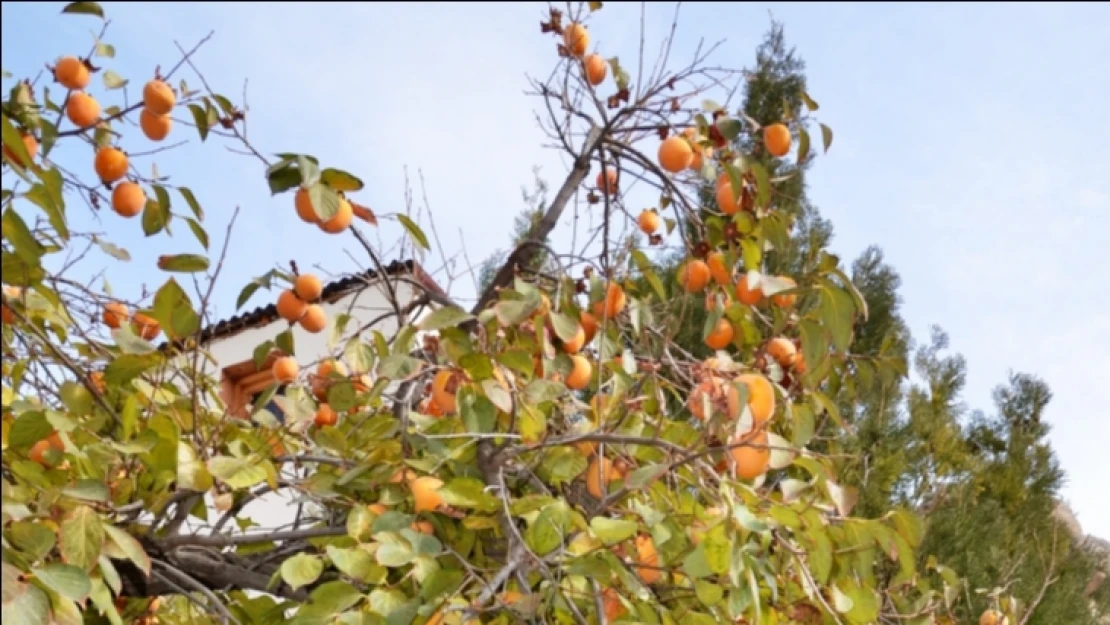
(364,306)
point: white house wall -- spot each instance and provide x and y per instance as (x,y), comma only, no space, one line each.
(278,509)
(364,306)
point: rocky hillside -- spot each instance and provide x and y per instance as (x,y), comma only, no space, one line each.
(1096,545)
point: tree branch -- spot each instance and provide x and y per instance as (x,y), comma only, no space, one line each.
(252,539)
(543,227)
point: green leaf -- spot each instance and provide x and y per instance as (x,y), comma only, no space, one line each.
(394,554)
(102,599)
(13,140)
(414,231)
(752,254)
(155,218)
(51,203)
(341,180)
(468,492)
(864,603)
(562,464)
(17,233)
(113,80)
(512,312)
(28,605)
(398,366)
(695,564)
(747,520)
(238,473)
(831,408)
(861,303)
(32,538)
(539,391)
(282,177)
(309,168)
(619,75)
(565,327)
(811,104)
(354,562)
(815,347)
(198,231)
(163,198)
(909,526)
(284,342)
(84,8)
(836,308)
(358,355)
(200,118)
(402,341)
(224,103)
(440,583)
(129,547)
(645,475)
(644,265)
(105,50)
(191,200)
(66,611)
(447,316)
(301,570)
(546,533)
(329,598)
(174,311)
(87,490)
(183,263)
(28,429)
(112,250)
(826,136)
(729,127)
(82,537)
(803,145)
(478,412)
(129,366)
(612,531)
(130,343)
(68,581)
(324,200)
(192,474)
(709,593)
(819,556)
(390,521)
(762,184)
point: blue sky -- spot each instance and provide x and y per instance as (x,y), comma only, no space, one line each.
(969,145)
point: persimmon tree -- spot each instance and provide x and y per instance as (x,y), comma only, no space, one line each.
(549,455)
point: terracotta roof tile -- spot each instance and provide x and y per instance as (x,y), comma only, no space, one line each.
(333,291)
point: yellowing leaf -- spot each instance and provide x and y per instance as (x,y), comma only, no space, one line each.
(84,8)
(81,538)
(183,263)
(129,547)
(191,472)
(238,473)
(447,316)
(301,570)
(844,497)
(414,231)
(612,531)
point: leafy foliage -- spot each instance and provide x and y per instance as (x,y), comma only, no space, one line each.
(555,453)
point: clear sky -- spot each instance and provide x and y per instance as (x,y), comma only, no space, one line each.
(970,146)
